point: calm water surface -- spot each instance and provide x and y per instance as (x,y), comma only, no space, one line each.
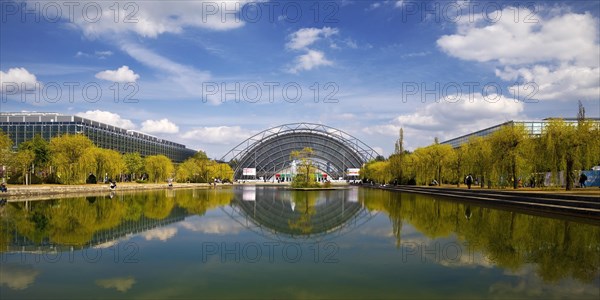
(263,242)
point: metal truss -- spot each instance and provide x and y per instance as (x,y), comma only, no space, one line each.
(268,151)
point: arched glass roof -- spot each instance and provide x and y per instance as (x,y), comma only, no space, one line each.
(269,151)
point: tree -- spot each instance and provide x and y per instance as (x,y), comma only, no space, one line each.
(105,162)
(41,150)
(305,168)
(509,144)
(5,149)
(159,167)
(477,154)
(22,161)
(68,156)
(134,164)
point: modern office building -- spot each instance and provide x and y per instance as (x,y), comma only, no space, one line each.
(22,127)
(535,128)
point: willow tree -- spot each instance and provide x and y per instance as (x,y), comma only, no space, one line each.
(477,153)
(509,144)
(105,162)
(134,164)
(569,146)
(158,167)
(68,156)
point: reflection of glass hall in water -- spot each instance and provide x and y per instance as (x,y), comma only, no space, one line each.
(295,216)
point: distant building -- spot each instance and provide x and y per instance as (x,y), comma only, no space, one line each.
(22,127)
(535,129)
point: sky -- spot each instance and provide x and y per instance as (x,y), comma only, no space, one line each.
(209,74)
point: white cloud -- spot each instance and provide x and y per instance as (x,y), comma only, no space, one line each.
(305,37)
(17,77)
(399,3)
(108,118)
(565,82)
(122,74)
(121,284)
(450,118)
(570,37)
(150,18)
(310,60)
(218,134)
(558,52)
(162,234)
(98,54)
(187,78)
(163,125)
(212,225)
(17,277)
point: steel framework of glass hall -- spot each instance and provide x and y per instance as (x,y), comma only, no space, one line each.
(269,151)
(534,128)
(22,127)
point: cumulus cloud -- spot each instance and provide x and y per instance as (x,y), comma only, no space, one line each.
(17,79)
(218,134)
(162,126)
(451,117)
(305,37)
(121,284)
(309,61)
(557,52)
(108,118)
(17,277)
(211,225)
(162,234)
(151,18)
(122,74)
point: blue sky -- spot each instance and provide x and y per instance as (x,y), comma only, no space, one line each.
(190,71)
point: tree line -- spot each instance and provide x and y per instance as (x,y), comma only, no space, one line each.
(509,157)
(74,159)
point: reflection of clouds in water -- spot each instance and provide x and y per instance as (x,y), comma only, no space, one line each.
(121,284)
(530,284)
(17,277)
(376,231)
(212,225)
(162,234)
(113,242)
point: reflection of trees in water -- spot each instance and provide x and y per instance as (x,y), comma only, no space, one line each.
(305,202)
(74,221)
(559,248)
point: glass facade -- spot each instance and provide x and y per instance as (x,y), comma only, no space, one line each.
(535,129)
(22,127)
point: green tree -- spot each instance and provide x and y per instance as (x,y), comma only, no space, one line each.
(22,161)
(5,149)
(159,167)
(68,157)
(477,153)
(105,162)
(305,168)
(41,150)
(134,164)
(509,155)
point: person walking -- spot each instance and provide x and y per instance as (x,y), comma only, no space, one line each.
(582,180)
(469,180)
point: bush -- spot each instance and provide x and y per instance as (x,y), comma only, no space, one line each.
(327,184)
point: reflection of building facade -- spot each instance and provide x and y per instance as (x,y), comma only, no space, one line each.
(20,243)
(289,216)
(22,127)
(534,128)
